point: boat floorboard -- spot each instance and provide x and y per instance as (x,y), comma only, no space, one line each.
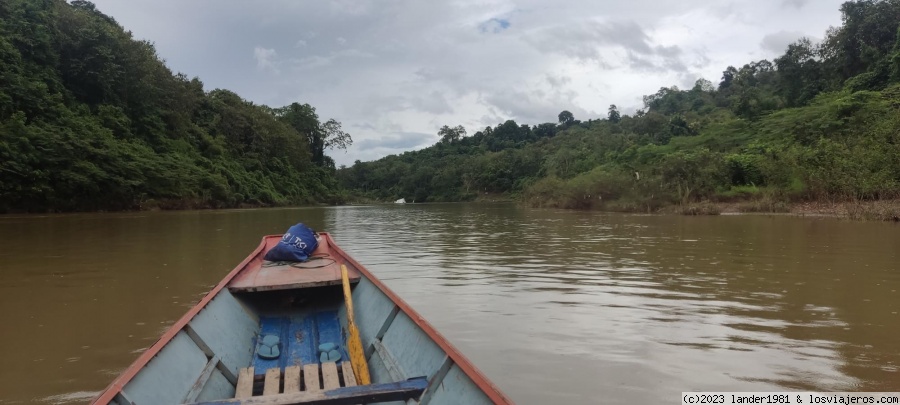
(300,336)
(343,394)
(292,379)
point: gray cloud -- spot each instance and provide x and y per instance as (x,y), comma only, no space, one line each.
(400,140)
(488,121)
(536,106)
(662,59)
(494,25)
(407,67)
(596,41)
(583,40)
(558,82)
(795,3)
(778,42)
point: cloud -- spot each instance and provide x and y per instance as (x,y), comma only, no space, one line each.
(318,61)
(265,58)
(432,102)
(584,39)
(558,82)
(777,42)
(662,59)
(408,67)
(794,3)
(597,41)
(400,140)
(533,106)
(494,25)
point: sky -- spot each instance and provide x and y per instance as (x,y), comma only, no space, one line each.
(394,71)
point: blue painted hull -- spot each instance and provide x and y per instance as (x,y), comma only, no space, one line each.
(200,358)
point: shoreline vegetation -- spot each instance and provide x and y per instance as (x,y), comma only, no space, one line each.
(881,210)
(93,120)
(813,131)
(878,210)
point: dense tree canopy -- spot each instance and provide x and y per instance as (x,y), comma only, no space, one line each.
(91,119)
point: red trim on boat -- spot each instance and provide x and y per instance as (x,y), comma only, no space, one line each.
(461,361)
(110,392)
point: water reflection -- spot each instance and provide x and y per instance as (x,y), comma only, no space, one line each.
(552,305)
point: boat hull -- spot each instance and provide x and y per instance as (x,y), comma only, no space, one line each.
(200,358)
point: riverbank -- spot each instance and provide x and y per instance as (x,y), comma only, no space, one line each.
(882,210)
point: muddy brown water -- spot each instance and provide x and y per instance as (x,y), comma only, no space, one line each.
(553,306)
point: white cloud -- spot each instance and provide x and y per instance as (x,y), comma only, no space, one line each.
(265,58)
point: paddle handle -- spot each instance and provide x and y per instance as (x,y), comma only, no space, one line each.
(354,344)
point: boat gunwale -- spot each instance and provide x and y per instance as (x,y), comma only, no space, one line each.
(480,380)
(114,388)
(458,358)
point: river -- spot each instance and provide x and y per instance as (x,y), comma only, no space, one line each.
(553,306)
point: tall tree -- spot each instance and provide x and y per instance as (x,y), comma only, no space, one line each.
(727,77)
(613,115)
(867,35)
(319,136)
(451,135)
(799,73)
(566,118)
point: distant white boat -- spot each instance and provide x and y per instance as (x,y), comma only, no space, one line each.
(400,201)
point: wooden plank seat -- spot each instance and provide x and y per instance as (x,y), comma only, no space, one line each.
(323,268)
(328,383)
(305,378)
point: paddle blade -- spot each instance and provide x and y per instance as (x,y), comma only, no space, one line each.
(354,344)
(358,357)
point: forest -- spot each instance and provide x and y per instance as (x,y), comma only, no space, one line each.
(818,123)
(92,119)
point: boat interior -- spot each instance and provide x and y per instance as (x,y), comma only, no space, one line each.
(311,352)
(279,334)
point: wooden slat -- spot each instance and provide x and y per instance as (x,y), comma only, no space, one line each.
(123,399)
(201,380)
(291,379)
(436,380)
(393,368)
(229,375)
(192,333)
(198,340)
(245,383)
(384,328)
(273,380)
(349,378)
(311,377)
(373,393)
(330,376)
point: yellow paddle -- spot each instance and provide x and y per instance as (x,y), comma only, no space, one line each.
(354,345)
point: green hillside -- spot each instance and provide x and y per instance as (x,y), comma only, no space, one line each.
(820,122)
(92,119)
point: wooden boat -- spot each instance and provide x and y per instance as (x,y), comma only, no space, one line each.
(215,353)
